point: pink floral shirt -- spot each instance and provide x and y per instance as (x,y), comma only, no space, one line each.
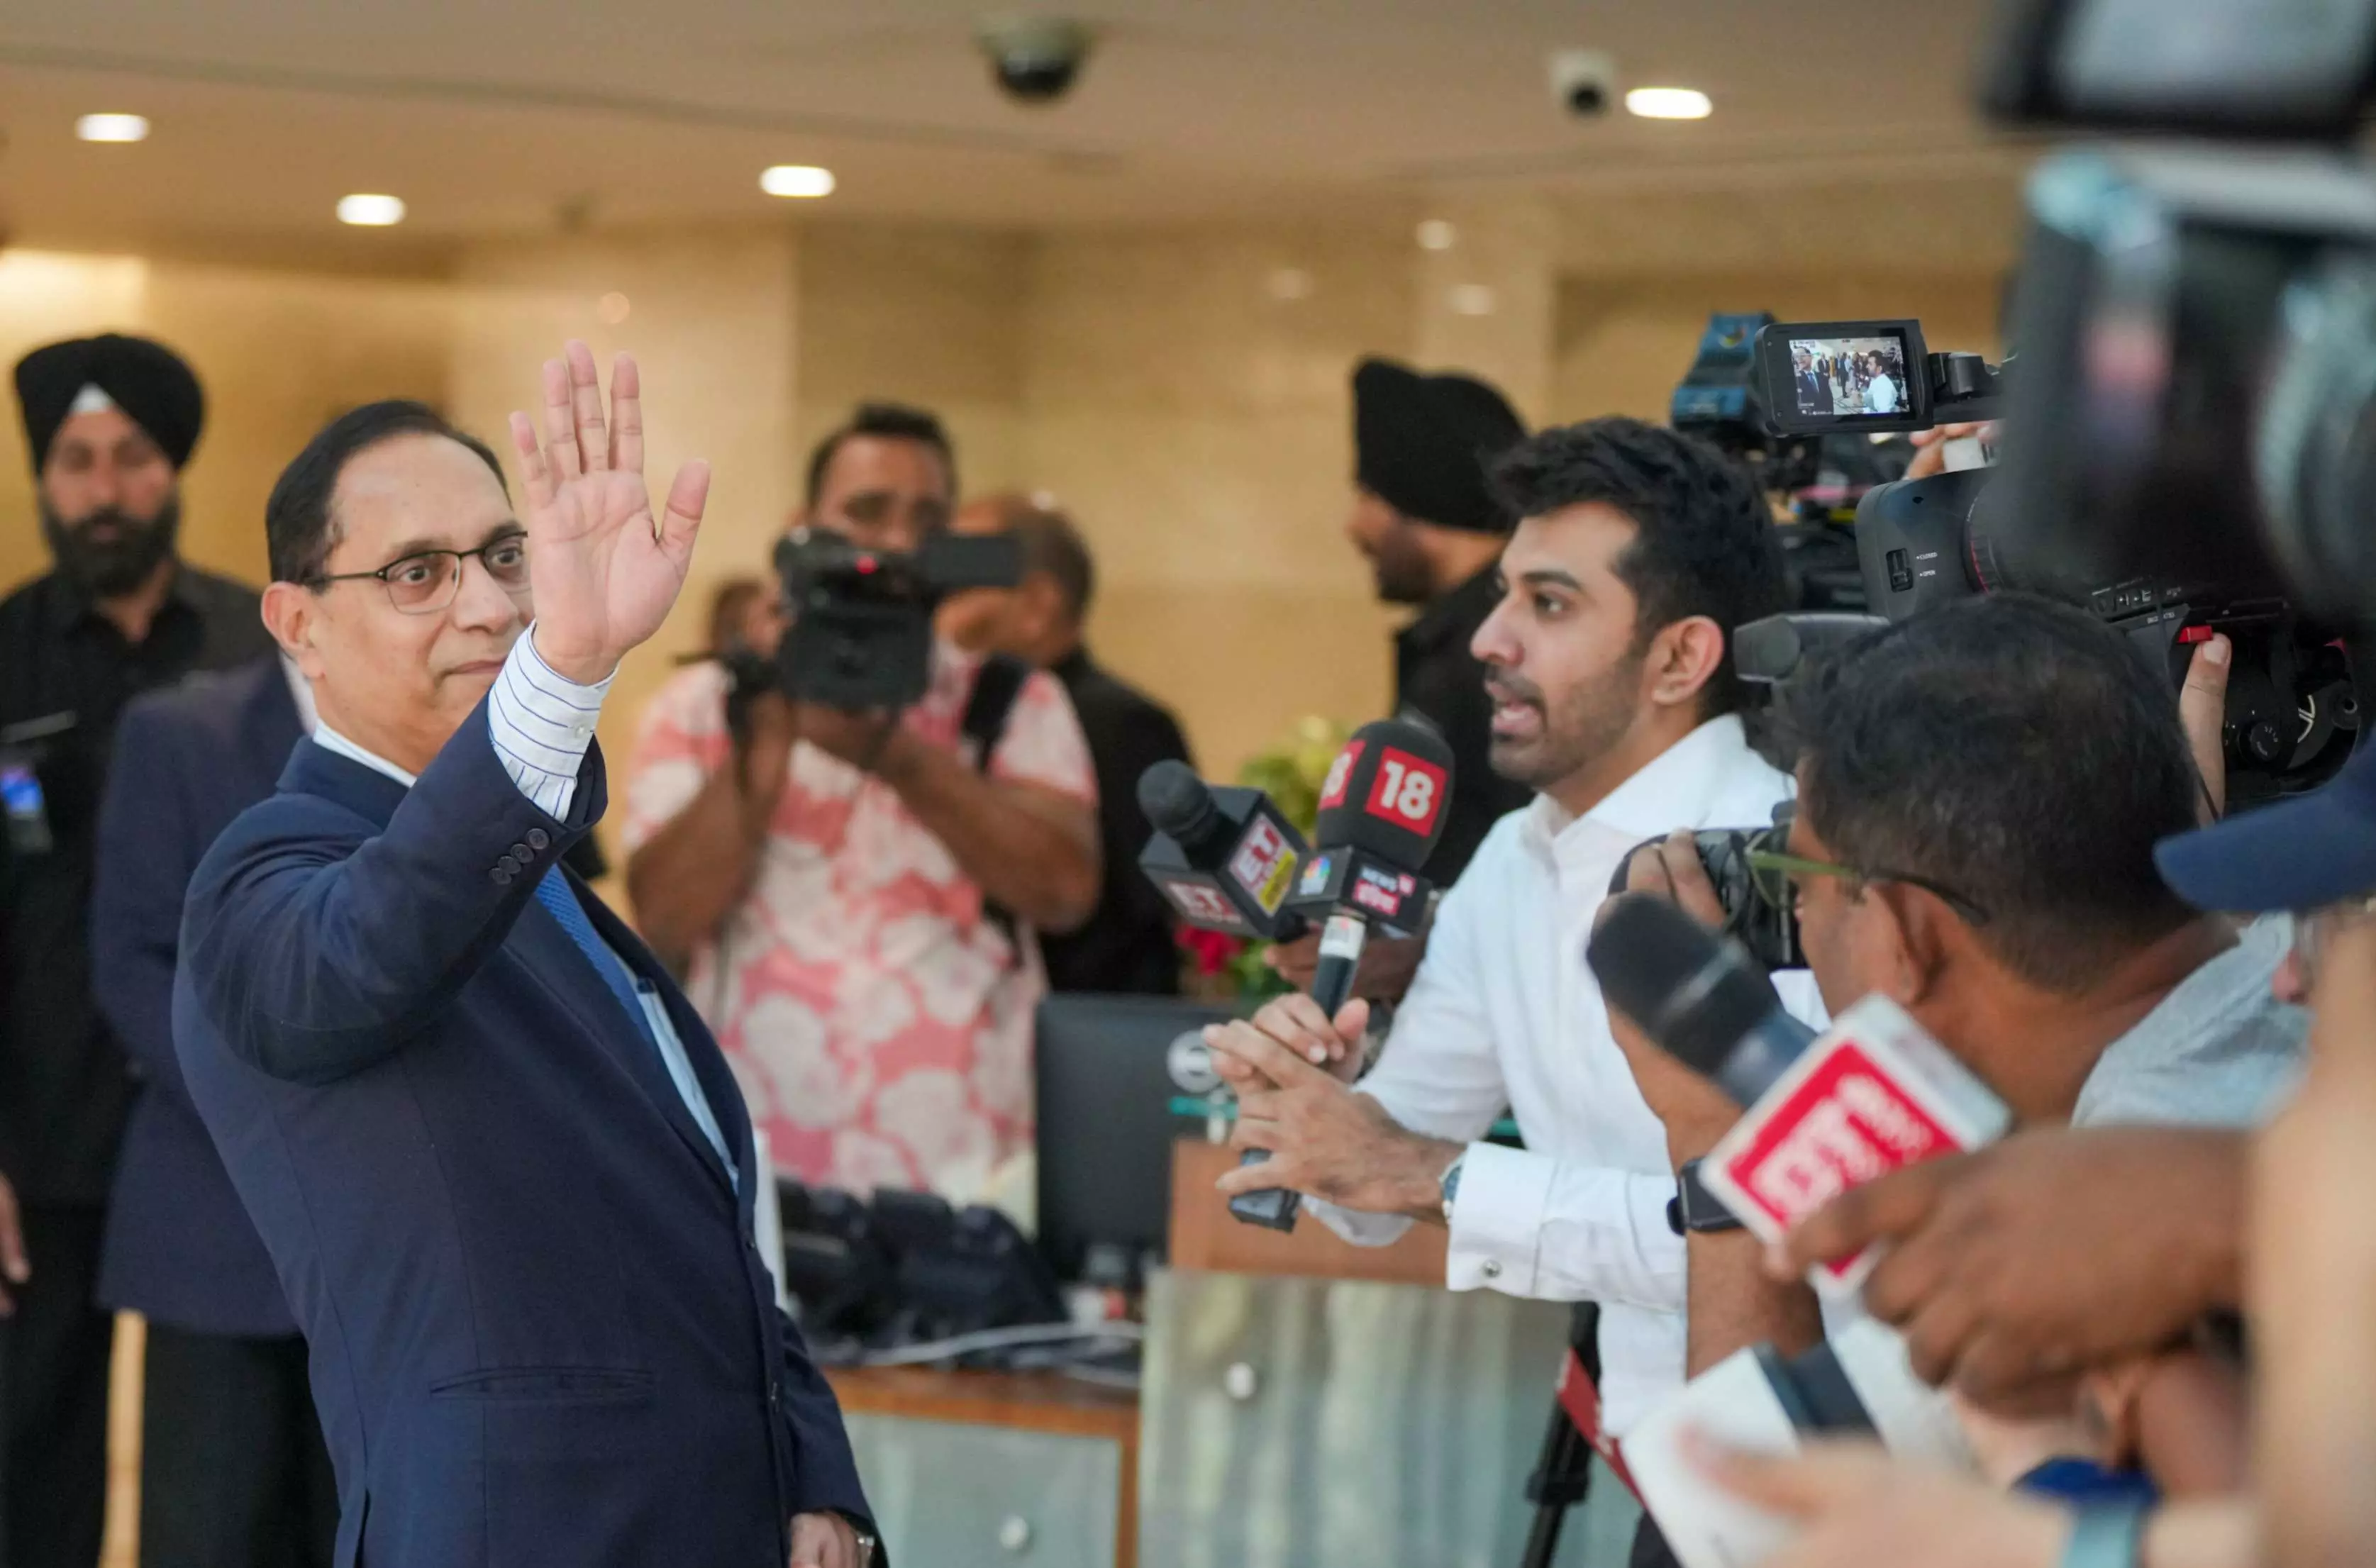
(879,1026)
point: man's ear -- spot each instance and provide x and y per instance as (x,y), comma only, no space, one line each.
(1682,658)
(290,615)
(1915,922)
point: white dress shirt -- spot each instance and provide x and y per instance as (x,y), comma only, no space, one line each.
(541,724)
(1503,1012)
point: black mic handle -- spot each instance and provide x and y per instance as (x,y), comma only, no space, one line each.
(1332,986)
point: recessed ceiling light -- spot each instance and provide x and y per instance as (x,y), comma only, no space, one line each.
(801,181)
(1435,234)
(1668,103)
(371,211)
(112,128)
(1290,284)
(611,309)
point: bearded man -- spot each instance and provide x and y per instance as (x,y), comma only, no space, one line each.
(110,422)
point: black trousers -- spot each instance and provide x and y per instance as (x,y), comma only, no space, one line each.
(54,1354)
(233,1471)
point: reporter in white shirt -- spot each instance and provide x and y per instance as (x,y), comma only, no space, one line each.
(1607,660)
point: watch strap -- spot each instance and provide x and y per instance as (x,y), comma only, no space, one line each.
(1694,1208)
(2107,1535)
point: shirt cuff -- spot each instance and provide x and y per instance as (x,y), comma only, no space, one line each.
(541,724)
(1359,1228)
(1497,1219)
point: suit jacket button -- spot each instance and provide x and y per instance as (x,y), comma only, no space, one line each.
(522,853)
(538,838)
(503,876)
(508,866)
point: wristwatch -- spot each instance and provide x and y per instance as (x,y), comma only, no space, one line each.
(1448,1184)
(2107,1535)
(1694,1207)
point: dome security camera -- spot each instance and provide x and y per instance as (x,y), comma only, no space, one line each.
(1584,82)
(1034,59)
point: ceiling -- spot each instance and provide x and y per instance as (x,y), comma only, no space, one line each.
(517,116)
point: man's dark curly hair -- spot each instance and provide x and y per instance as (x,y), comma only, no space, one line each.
(1704,542)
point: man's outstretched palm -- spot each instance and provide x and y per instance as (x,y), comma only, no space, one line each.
(604,577)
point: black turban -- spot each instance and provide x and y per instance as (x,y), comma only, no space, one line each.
(1421,444)
(147,380)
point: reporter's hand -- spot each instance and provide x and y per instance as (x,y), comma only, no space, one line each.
(1670,869)
(1323,1139)
(1931,445)
(824,1540)
(2013,1269)
(1694,1111)
(14,1267)
(603,574)
(1387,966)
(2203,712)
(1855,1507)
(1297,1023)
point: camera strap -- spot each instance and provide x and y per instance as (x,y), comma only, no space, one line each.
(996,685)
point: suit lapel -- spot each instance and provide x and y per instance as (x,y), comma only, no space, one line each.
(540,941)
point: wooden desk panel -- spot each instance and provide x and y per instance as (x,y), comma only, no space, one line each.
(1041,1402)
(1206,1239)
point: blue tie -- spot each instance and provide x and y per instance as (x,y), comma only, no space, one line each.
(553,893)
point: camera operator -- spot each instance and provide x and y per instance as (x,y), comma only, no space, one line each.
(1129,945)
(1613,698)
(836,882)
(2002,890)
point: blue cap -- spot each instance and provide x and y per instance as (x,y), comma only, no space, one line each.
(2298,854)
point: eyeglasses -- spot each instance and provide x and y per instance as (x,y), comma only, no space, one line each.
(426,583)
(2313,929)
(1773,871)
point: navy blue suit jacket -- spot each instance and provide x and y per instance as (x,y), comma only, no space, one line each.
(541,1332)
(180,1247)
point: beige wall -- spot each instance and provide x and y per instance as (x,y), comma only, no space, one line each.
(1184,392)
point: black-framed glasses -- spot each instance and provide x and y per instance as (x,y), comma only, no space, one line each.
(425,582)
(1775,870)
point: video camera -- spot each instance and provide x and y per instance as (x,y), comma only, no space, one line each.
(861,635)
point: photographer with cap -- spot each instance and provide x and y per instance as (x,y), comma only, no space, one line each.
(110,423)
(854,894)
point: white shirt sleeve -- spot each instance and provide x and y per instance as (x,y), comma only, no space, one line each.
(1527,1224)
(541,725)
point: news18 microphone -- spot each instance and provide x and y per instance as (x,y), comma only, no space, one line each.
(1382,812)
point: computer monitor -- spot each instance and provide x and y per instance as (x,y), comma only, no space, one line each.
(1106,1089)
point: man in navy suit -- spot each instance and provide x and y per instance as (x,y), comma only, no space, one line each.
(233,1471)
(502,1170)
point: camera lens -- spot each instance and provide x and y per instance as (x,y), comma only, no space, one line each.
(2315,450)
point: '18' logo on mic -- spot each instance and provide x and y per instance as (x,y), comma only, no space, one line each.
(1408,791)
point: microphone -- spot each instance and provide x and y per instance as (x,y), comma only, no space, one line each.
(1224,857)
(1871,1093)
(1383,810)
(1701,999)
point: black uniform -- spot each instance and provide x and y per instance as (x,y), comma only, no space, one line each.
(1128,944)
(66,673)
(1436,675)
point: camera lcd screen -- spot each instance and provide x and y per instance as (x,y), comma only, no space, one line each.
(1850,377)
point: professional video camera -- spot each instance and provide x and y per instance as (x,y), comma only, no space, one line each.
(861,635)
(2292,710)
(1759,912)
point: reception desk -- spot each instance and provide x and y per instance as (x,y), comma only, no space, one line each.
(1305,1404)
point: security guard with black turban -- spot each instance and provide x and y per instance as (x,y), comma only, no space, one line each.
(109,423)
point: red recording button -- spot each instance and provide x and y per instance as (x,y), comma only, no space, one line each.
(2193,635)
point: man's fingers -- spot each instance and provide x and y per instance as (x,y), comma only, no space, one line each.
(1260,1105)
(1938,1334)
(535,478)
(1647,871)
(1297,1023)
(680,519)
(1351,1023)
(627,416)
(2203,712)
(560,425)
(1278,1170)
(1260,1052)
(1887,1207)
(1678,857)
(14,1266)
(586,401)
